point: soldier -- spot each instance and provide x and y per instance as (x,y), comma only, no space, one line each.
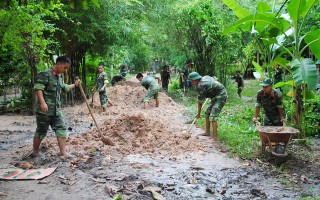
(208,87)
(117,78)
(239,80)
(165,77)
(271,101)
(101,87)
(155,76)
(184,72)
(48,86)
(278,75)
(153,89)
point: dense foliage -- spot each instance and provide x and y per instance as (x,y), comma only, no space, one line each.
(220,37)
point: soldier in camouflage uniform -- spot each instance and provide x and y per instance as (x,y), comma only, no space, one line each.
(208,87)
(155,76)
(48,86)
(101,87)
(184,72)
(165,77)
(271,101)
(117,78)
(153,89)
(278,75)
(239,80)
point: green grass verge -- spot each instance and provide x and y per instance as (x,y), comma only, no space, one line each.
(235,128)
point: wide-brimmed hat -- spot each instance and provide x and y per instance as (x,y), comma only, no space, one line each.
(266,82)
(194,76)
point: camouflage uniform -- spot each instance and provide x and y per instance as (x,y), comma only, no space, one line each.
(239,80)
(152,86)
(52,86)
(103,95)
(270,104)
(185,71)
(208,87)
(165,76)
(278,75)
(117,78)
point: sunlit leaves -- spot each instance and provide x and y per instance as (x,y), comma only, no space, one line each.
(304,71)
(299,8)
(238,10)
(313,40)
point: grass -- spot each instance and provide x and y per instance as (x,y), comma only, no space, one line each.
(235,128)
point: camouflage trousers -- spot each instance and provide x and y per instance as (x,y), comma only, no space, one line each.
(239,90)
(151,93)
(216,106)
(56,122)
(272,121)
(103,96)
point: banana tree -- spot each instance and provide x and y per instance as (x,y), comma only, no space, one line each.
(281,37)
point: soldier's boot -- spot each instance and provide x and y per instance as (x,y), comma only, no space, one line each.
(157,103)
(104,109)
(214,130)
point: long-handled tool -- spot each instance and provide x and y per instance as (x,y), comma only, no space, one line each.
(92,99)
(105,139)
(189,129)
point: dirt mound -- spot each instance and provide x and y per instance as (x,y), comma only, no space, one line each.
(136,134)
(134,130)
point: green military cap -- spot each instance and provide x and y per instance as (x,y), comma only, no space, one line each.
(318,62)
(101,64)
(266,82)
(194,76)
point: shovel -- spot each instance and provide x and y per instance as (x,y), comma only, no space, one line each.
(189,129)
(105,139)
(91,104)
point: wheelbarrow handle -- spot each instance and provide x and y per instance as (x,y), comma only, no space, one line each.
(258,123)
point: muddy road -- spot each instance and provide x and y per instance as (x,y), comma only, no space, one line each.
(152,157)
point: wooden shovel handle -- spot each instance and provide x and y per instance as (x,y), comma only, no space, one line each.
(85,99)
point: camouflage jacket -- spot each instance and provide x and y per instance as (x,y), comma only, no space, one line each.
(239,80)
(185,71)
(150,83)
(278,76)
(208,87)
(117,78)
(101,80)
(270,103)
(165,76)
(52,86)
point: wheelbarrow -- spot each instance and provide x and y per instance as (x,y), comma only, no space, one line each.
(275,139)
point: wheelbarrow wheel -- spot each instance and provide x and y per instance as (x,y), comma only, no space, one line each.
(279,149)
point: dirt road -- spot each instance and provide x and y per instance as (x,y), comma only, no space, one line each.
(152,157)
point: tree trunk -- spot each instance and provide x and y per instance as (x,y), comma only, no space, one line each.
(298,106)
